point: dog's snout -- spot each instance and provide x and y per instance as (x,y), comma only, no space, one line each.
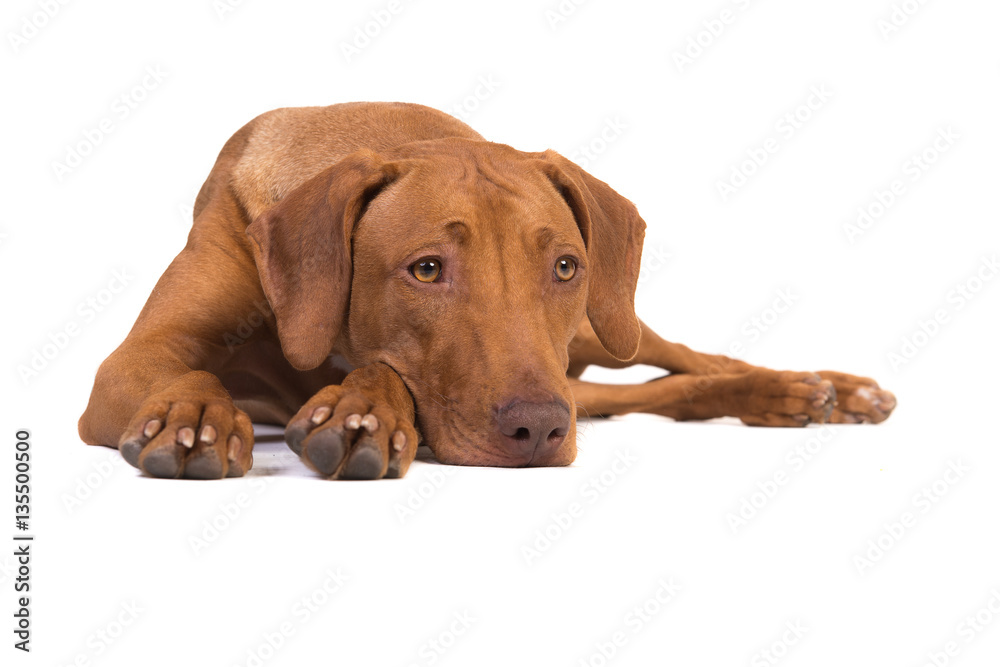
(533,430)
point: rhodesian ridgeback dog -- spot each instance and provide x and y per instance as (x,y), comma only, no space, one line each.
(373,276)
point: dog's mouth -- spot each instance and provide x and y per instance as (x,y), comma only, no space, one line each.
(455,440)
(537,428)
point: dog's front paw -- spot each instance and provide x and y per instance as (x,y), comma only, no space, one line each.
(348,433)
(183,435)
(786,398)
(859,399)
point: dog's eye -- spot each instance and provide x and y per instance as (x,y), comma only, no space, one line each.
(565,268)
(426,270)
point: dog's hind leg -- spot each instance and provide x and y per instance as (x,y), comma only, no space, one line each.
(760,397)
(703,386)
(585,349)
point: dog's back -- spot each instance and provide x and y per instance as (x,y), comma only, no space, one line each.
(281,149)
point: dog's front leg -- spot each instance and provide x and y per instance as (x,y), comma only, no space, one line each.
(154,398)
(362,428)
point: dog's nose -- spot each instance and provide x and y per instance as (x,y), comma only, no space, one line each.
(533,430)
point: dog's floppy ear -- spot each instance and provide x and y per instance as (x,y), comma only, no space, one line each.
(612,231)
(302,247)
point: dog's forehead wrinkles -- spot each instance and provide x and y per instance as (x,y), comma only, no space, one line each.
(545,237)
(499,176)
(477,166)
(452,195)
(459,231)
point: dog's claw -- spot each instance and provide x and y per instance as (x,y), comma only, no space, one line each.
(234,447)
(399,441)
(320,415)
(185,436)
(234,451)
(152,427)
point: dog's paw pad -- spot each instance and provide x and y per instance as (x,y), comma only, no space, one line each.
(326,450)
(365,462)
(164,462)
(205,466)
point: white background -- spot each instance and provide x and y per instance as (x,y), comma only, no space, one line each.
(108,537)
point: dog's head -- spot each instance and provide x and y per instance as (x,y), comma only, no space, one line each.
(465,266)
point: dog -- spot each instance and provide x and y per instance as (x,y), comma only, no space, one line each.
(373,276)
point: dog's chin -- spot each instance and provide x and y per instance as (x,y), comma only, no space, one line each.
(563,456)
(493,456)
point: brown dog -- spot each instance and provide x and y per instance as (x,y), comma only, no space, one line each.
(374,274)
